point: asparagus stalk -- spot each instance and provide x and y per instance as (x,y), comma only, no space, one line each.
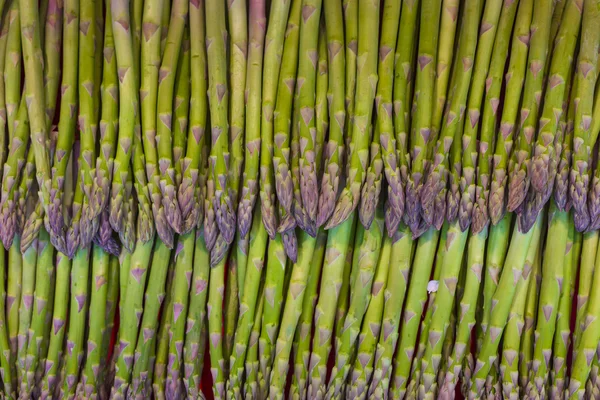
(398,285)
(11,176)
(86,121)
(274,289)
(436,180)
(184,256)
(4,136)
(585,346)
(57,333)
(5,360)
(303,338)
(455,245)
(480,214)
(162,345)
(130,317)
(552,282)
(415,351)
(385,147)
(364,363)
(562,338)
(514,84)
(334,151)
(585,279)
(164,113)
(12,65)
(251,383)
(466,310)
(127,109)
(284,184)
(232,296)
(253,145)
(42,312)
(136,10)
(78,310)
(97,324)
(154,296)
(25,311)
(562,57)
(248,301)
(307,72)
(585,83)
(503,297)
(193,350)
(291,313)
(219,104)
(215,314)
(238,57)
(191,189)
(365,265)
(514,325)
(366,84)
(112,294)
(34,93)
(489,27)
(534,78)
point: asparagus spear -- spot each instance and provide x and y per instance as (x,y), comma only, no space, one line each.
(86,121)
(305,90)
(253,114)
(193,350)
(366,78)
(154,296)
(131,315)
(334,151)
(248,301)
(42,311)
(112,294)
(365,265)
(585,83)
(552,281)
(562,56)
(164,113)
(273,51)
(480,214)
(219,104)
(466,309)
(503,297)
(215,314)
(238,57)
(414,351)
(162,345)
(34,93)
(436,180)
(252,361)
(97,310)
(303,338)
(514,325)
(127,109)
(4,136)
(562,338)
(586,342)
(364,363)
(274,289)
(470,148)
(384,141)
(78,310)
(184,256)
(283,114)
(57,333)
(291,313)
(534,77)
(12,65)
(398,285)
(190,197)
(514,85)
(25,311)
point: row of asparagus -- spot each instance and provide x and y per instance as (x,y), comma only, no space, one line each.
(408,188)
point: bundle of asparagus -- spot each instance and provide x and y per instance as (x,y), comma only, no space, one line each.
(314,199)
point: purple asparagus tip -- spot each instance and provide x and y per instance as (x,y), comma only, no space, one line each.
(290,244)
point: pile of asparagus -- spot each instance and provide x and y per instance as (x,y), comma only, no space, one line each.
(318,199)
